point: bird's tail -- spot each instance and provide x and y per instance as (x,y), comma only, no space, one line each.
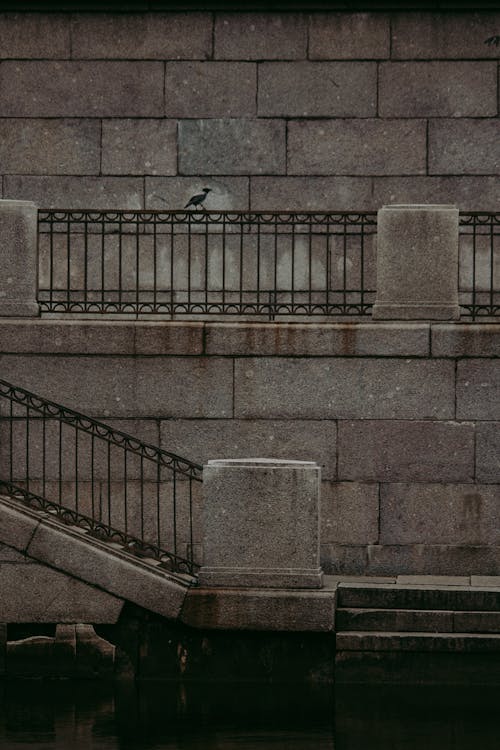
(187,204)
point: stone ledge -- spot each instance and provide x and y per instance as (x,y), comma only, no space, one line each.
(466,340)
(253,609)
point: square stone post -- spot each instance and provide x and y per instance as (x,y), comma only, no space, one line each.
(261,524)
(18,259)
(417,263)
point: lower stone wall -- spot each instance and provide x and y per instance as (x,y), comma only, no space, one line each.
(403,418)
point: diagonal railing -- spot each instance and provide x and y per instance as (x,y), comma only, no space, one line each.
(88,474)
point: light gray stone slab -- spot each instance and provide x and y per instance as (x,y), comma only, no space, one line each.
(163,36)
(139,147)
(172,193)
(474,340)
(311,193)
(316,89)
(260,524)
(329,339)
(231,147)
(49,146)
(259,610)
(335,36)
(65,599)
(486,581)
(488,452)
(81,89)
(149,387)
(349,513)
(98,565)
(343,388)
(210,89)
(438,89)
(444,35)
(468,193)
(77,192)
(257,36)
(432,559)
(400,451)
(357,147)
(478,389)
(19,278)
(412,240)
(202,440)
(38,35)
(464,146)
(50,336)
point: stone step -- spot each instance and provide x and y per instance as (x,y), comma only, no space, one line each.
(463,643)
(402,620)
(394,596)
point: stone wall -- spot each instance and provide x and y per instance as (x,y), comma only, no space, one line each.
(403,418)
(272,111)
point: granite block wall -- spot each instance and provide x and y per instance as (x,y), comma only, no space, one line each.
(403,419)
(277,111)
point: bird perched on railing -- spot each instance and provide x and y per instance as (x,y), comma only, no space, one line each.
(197,200)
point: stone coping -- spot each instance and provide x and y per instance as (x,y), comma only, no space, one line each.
(196,338)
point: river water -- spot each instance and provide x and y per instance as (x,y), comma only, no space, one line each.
(158,716)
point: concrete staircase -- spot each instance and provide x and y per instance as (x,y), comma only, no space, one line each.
(417,633)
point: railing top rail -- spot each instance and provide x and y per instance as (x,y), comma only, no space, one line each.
(100,430)
(202,216)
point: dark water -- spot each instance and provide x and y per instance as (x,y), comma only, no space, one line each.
(156,716)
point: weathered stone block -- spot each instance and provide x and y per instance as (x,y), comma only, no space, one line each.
(236,438)
(39,35)
(488,452)
(349,513)
(343,388)
(139,147)
(434,559)
(81,89)
(19,278)
(443,35)
(241,498)
(172,193)
(464,146)
(395,620)
(260,36)
(412,240)
(152,386)
(50,146)
(467,193)
(210,89)
(16,529)
(476,622)
(439,514)
(327,340)
(70,600)
(357,147)
(411,597)
(231,146)
(307,89)
(259,610)
(160,36)
(98,565)
(78,192)
(406,451)
(335,36)
(422,642)
(310,193)
(344,559)
(437,89)
(475,340)
(478,389)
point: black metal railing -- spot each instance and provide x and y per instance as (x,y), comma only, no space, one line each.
(197,263)
(479,264)
(88,474)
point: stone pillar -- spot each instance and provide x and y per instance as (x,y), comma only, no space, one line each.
(261,524)
(18,259)
(417,263)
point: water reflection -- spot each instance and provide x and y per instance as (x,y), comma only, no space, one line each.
(159,716)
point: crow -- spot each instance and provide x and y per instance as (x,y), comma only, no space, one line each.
(198,199)
(493,40)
